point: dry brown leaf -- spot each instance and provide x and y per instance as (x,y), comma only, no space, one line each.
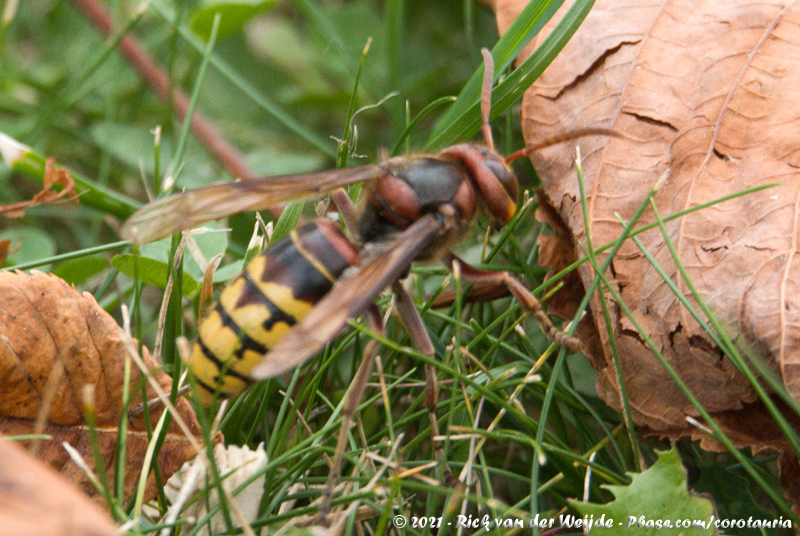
(35,501)
(48,330)
(708,92)
(52,176)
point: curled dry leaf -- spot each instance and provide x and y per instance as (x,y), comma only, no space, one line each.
(53,176)
(36,501)
(705,91)
(53,343)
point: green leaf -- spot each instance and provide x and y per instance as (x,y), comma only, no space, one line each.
(132,146)
(228,272)
(135,148)
(76,271)
(283,45)
(210,244)
(151,271)
(653,503)
(234,15)
(34,244)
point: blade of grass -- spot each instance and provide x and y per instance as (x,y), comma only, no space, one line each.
(68,256)
(722,339)
(148,461)
(462,120)
(529,22)
(347,135)
(173,324)
(719,435)
(78,86)
(238,81)
(394,18)
(401,140)
(121,450)
(556,277)
(549,395)
(177,158)
(90,417)
(589,253)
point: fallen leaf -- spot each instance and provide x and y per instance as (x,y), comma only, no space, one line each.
(48,330)
(706,92)
(36,501)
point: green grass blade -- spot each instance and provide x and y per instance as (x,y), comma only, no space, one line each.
(462,120)
(240,82)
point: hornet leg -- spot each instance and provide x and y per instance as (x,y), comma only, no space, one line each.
(419,336)
(470,274)
(352,400)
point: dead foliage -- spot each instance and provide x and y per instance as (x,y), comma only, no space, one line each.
(54,343)
(36,501)
(705,92)
(53,177)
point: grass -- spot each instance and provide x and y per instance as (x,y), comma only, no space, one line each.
(519,418)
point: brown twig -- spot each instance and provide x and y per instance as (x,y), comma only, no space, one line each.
(227,155)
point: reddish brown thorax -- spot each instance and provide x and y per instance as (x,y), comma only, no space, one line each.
(448,184)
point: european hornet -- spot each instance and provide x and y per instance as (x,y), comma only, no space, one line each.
(297,295)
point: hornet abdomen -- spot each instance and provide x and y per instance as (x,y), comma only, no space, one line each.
(274,292)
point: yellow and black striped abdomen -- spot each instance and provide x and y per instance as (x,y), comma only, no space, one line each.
(276,289)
